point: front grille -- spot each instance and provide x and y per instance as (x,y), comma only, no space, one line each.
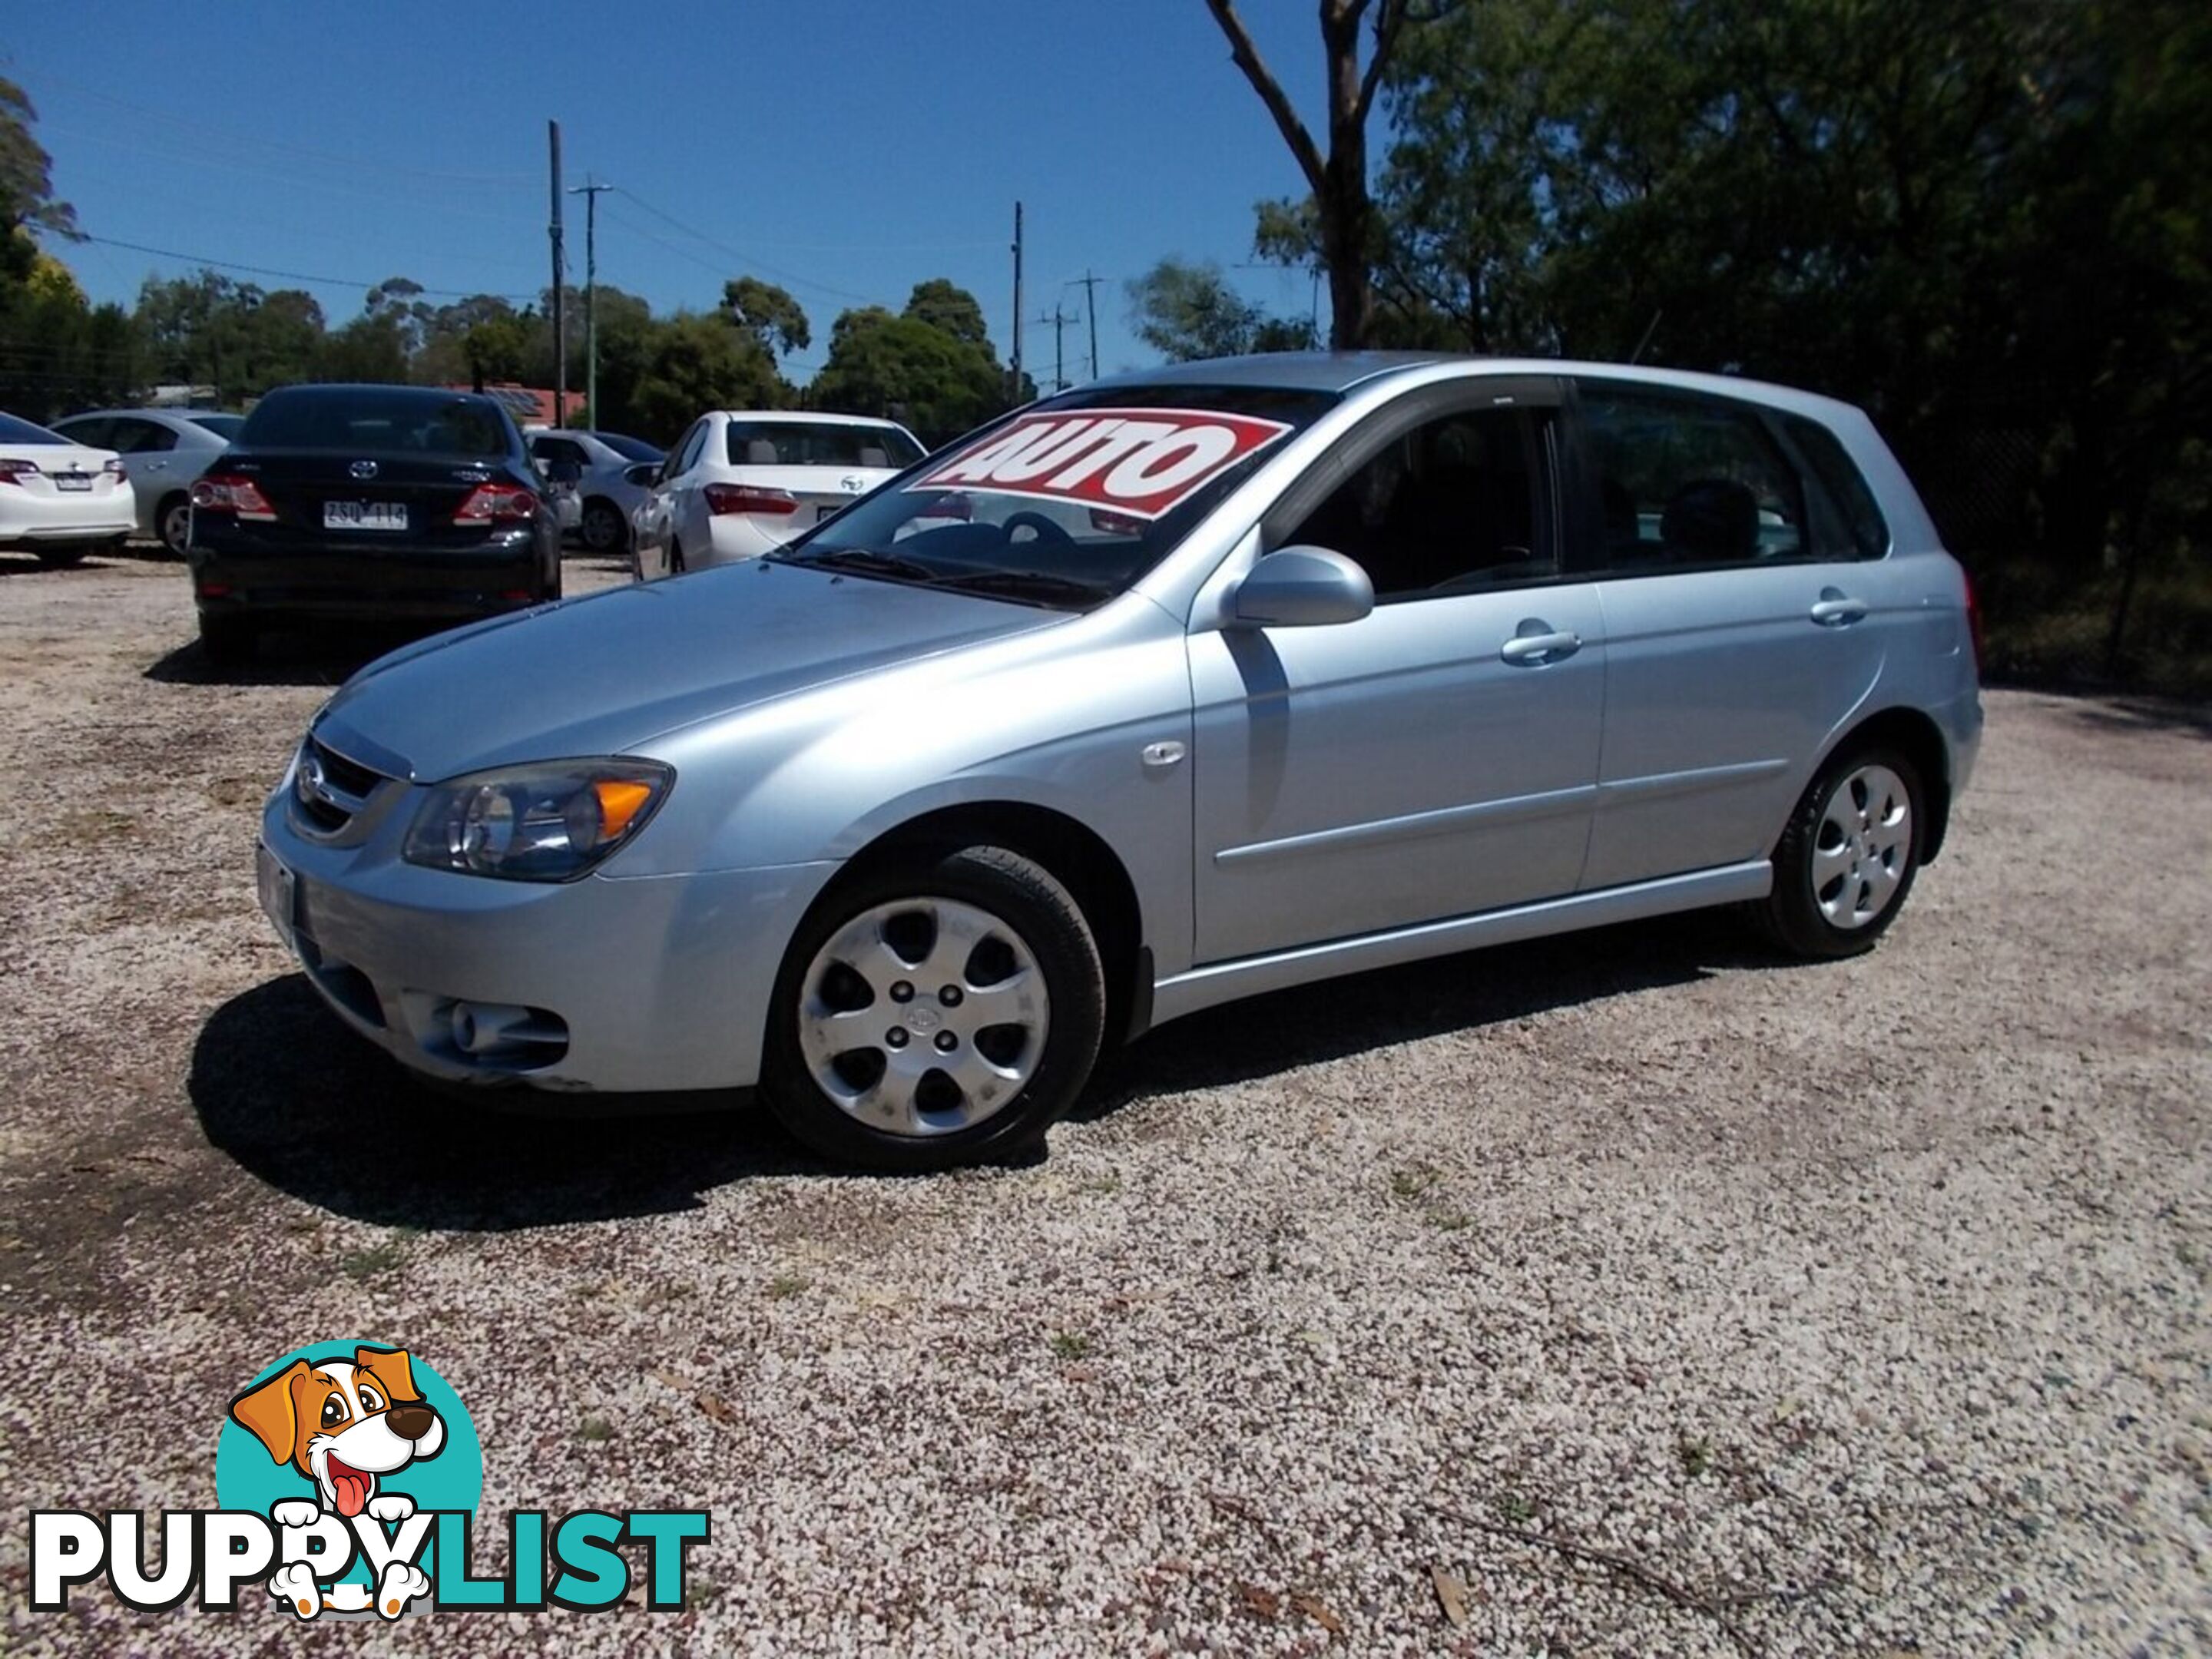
(328,790)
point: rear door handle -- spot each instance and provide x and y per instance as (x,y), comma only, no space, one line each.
(1834,608)
(1528,650)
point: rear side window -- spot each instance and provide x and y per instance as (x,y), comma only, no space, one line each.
(1686,481)
(372,419)
(1846,487)
(817,443)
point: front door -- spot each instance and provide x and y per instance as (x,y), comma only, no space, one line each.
(1438,758)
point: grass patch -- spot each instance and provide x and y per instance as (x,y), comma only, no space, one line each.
(784,1286)
(368,1263)
(1695,1453)
(595,1431)
(1072,1344)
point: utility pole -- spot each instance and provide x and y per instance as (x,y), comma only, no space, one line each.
(1089,284)
(560,317)
(590,192)
(1014,393)
(1059,320)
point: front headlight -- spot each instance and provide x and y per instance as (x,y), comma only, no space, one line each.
(546,823)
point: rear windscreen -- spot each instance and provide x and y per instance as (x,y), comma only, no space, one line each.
(397,421)
(13,431)
(818,443)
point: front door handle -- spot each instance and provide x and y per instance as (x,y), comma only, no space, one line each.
(1530,650)
(1834,608)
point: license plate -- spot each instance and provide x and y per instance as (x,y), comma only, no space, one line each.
(278,889)
(829,511)
(364,515)
(72,481)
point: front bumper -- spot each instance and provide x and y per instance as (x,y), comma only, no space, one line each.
(633,984)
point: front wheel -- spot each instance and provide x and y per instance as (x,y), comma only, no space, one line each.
(1846,861)
(604,529)
(937,1011)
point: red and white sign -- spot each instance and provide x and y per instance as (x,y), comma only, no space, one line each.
(1138,461)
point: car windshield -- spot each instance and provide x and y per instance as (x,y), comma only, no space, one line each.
(375,418)
(1064,504)
(223,426)
(631,449)
(14,431)
(818,443)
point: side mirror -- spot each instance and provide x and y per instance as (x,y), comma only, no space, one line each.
(1302,587)
(644,475)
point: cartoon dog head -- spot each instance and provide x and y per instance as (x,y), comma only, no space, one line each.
(342,1422)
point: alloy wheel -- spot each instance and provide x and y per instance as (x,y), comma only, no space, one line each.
(1863,848)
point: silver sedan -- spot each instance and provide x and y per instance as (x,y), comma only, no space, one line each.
(1171,689)
(162,452)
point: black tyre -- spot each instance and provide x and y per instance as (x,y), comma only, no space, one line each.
(63,558)
(228,638)
(603,530)
(172,522)
(676,565)
(1846,861)
(940,1010)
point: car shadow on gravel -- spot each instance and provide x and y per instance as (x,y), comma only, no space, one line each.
(300,657)
(308,1107)
(1285,1029)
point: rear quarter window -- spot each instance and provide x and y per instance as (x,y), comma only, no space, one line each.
(1863,526)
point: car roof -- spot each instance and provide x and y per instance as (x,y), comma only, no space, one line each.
(808,417)
(1340,371)
(187,415)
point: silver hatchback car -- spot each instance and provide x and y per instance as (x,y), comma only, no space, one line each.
(1176,688)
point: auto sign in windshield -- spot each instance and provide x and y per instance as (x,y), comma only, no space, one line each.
(1065,504)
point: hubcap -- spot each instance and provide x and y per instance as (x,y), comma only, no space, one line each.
(1860,851)
(176,527)
(923,1016)
(602,530)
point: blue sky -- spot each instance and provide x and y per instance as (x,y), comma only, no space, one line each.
(845,148)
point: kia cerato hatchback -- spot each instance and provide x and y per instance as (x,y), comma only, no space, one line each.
(368,503)
(1165,691)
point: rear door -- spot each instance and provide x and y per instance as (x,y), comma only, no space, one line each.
(1439,757)
(1740,625)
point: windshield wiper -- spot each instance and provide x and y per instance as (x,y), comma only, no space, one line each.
(1042,585)
(868,560)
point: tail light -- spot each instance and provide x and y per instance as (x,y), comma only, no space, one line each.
(496,503)
(1115,524)
(225,492)
(952,504)
(1974,623)
(747,498)
(112,466)
(14,471)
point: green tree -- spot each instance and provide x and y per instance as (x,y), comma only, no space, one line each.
(26,196)
(952,309)
(685,365)
(1187,311)
(768,313)
(905,369)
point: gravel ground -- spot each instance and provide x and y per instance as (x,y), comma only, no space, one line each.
(1630,1293)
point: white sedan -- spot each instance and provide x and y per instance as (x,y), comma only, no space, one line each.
(739,484)
(60,500)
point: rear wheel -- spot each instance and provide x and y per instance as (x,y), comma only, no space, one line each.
(173,519)
(1846,861)
(604,529)
(676,565)
(228,638)
(942,1009)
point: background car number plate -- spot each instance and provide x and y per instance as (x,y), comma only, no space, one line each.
(828,512)
(364,515)
(72,481)
(276,887)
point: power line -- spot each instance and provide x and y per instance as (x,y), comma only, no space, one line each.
(745,258)
(291,276)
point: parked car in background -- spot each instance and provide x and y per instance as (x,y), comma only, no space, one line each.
(380,503)
(602,466)
(59,499)
(163,451)
(1374,658)
(739,484)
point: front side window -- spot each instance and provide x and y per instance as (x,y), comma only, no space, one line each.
(1065,503)
(1449,506)
(817,443)
(1686,481)
(687,452)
